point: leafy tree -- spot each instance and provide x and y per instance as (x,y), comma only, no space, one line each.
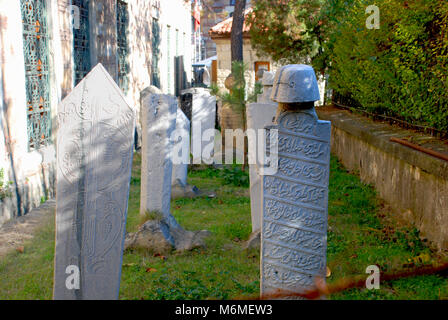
(399,70)
(288,31)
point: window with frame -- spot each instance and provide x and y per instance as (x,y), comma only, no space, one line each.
(155,47)
(81,41)
(37,82)
(168,57)
(123,48)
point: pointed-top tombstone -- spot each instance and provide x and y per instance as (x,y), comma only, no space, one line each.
(94,159)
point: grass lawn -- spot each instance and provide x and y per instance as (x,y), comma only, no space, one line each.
(360,234)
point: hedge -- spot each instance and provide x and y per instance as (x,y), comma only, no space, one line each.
(400,69)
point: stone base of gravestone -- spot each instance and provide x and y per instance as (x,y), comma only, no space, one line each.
(181,190)
(159,237)
(254,241)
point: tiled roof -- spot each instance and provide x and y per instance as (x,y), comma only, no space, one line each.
(225,27)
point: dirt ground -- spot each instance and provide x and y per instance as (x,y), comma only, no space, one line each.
(14,233)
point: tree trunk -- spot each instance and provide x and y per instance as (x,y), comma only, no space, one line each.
(236,36)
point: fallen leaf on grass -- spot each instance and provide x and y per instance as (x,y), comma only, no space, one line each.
(129,264)
(20,249)
(422,258)
(151,270)
(160,256)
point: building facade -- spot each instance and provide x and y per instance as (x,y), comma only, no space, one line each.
(48,46)
(220,35)
(213,12)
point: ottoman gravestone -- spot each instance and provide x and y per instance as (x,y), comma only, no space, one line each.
(295,199)
(160,232)
(181,158)
(267,81)
(202,121)
(181,148)
(94,159)
(258,116)
(158,122)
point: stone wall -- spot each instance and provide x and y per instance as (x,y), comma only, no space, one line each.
(415,184)
(175,21)
(103,35)
(32,172)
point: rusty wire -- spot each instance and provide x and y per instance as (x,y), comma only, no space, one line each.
(344,284)
(393,120)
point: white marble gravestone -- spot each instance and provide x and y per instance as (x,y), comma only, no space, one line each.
(158,122)
(181,148)
(267,81)
(295,199)
(258,116)
(202,121)
(94,159)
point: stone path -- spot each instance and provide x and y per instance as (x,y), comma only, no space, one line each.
(14,233)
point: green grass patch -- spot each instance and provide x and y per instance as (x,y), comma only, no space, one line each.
(359,235)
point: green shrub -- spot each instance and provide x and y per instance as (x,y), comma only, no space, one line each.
(399,70)
(235,176)
(4,186)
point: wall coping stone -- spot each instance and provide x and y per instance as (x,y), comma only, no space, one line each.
(378,134)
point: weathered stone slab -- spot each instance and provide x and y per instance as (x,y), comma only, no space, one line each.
(181,148)
(295,207)
(94,159)
(258,116)
(158,122)
(267,81)
(160,232)
(203,121)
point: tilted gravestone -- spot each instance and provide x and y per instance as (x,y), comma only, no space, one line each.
(295,208)
(203,121)
(181,148)
(158,123)
(160,232)
(181,158)
(258,116)
(94,159)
